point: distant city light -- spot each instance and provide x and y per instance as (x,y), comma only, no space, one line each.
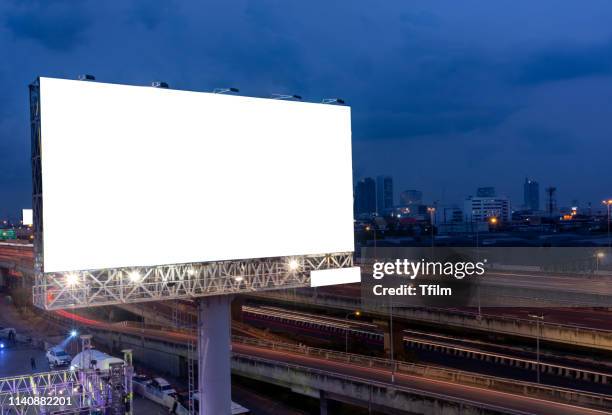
(73,333)
(239,278)
(493,220)
(1,345)
(600,255)
(134,276)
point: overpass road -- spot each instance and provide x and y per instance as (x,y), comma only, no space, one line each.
(511,403)
(451,391)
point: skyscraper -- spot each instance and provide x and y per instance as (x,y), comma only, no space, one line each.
(384,193)
(531,194)
(365,196)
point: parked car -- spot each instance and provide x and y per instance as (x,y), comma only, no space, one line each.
(56,356)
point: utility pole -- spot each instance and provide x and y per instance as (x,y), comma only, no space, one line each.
(539,318)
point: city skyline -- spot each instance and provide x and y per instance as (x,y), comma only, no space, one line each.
(461,95)
(537,202)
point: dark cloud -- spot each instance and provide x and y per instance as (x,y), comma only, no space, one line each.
(426,81)
(566,63)
(57,25)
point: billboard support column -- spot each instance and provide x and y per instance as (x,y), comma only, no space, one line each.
(214,342)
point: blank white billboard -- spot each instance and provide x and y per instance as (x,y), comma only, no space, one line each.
(141,176)
(27,217)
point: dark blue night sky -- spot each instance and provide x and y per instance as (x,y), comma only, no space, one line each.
(446,95)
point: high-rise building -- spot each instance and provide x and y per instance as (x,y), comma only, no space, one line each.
(411,197)
(481,209)
(384,194)
(365,196)
(531,194)
(487,191)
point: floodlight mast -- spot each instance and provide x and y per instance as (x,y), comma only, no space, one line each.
(212,284)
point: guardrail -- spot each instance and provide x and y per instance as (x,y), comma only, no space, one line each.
(571,396)
(321,376)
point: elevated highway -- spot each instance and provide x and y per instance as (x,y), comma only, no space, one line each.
(16,259)
(577,335)
(351,378)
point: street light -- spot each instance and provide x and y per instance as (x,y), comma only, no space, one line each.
(538,318)
(598,256)
(608,203)
(432,211)
(356,313)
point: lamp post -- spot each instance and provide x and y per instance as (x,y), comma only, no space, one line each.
(493,221)
(608,203)
(373,229)
(391,339)
(539,318)
(356,313)
(432,211)
(598,256)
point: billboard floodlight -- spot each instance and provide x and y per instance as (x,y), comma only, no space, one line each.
(134,276)
(72,279)
(293,264)
(225,90)
(286,96)
(333,101)
(160,84)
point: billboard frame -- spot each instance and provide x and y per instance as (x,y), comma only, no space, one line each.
(54,291)
(86,288)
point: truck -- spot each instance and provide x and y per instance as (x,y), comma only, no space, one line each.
(93,359)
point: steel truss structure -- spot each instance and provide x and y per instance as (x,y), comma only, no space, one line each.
(88,391)
(36,173)
(53,291)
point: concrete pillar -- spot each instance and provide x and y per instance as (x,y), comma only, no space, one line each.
(237,304)
(323,403)
(214,343)
(398,338)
